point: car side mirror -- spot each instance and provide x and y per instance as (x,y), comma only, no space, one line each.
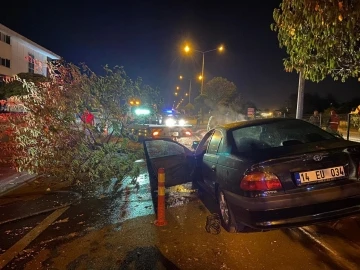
(195,144)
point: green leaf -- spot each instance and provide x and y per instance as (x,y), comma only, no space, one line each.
(314,30)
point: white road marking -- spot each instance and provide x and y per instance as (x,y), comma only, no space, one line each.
(20,245)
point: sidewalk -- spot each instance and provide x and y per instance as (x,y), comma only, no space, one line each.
(11,179)
(353,135)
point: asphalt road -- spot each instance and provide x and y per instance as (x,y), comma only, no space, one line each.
(114,229)
(102,233)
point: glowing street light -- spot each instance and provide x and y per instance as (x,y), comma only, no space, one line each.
(180,77)
(177,87)
(134,102)
(187,48)
(200,77)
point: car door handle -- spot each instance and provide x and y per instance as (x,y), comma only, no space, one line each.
(213,168)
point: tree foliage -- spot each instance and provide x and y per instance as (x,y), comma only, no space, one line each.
(200,103)
(189,108)
(15,87)
(219,92)
(48,139)
(321,37)
(236,103)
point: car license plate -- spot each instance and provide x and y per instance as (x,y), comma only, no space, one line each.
(320,175)
(175,134)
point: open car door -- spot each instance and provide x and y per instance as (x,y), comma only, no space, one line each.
(175,158)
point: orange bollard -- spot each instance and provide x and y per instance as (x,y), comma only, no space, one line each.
(161,221)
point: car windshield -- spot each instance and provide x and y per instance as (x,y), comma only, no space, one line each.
(278,134)
(173,115)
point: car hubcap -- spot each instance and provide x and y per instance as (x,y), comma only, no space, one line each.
(224,209)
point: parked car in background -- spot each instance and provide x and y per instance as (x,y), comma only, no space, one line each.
(267,173)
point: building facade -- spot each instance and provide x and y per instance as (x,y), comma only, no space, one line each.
(21,55)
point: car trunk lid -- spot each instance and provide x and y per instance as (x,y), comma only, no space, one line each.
(310,166)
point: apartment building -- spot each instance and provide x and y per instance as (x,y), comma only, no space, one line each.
(21,55)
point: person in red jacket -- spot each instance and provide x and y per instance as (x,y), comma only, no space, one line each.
(334,121)
(88,121)
(88,118)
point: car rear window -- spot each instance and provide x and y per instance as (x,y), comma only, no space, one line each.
(278,134)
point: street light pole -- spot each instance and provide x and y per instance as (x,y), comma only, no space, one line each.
(202,73)
(189,91)
(221,48)
(181,77)
(187,49)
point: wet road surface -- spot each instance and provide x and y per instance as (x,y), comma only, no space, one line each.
(117,231)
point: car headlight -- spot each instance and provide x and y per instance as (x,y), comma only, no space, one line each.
(170,122)
(182,122)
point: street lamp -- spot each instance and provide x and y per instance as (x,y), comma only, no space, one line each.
(134,102)
(187,49)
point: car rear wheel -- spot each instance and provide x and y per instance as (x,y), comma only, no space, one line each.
(227,216)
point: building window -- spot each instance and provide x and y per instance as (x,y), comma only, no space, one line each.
(31,63)
(5,62)
(5,38)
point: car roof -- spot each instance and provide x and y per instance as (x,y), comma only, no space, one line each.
(247,123)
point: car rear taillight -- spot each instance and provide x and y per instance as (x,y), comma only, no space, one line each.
(260,181)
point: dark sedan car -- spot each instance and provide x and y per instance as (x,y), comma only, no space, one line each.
(267,173)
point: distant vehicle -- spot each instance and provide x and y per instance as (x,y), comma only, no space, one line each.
(267,173)
(173,118)
(167,125)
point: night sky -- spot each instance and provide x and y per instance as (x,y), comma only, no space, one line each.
(147,37)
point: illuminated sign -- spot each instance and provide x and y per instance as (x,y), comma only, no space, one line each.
(142,111)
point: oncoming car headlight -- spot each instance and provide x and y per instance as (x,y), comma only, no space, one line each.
(170,122)
(182,122)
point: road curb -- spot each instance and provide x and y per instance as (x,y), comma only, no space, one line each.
(349,228)
(22,180)
(336,247)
